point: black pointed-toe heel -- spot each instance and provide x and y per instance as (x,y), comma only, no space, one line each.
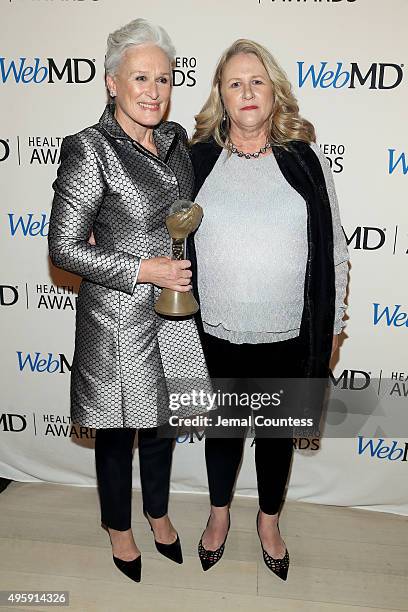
(131,569)
(209,558)
(171,551)
(279,567)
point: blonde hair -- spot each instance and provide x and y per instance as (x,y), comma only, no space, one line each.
(285,123)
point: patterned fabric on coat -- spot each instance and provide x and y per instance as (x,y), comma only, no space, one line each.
(126,356)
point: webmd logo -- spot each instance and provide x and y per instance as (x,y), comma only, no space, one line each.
(397,162)
(36,70)
(4,149)
(339,75)
(29,225)
(38,363)
(396,451)
(391,316)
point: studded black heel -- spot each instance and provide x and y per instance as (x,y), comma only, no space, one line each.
(279,567)
(209,558)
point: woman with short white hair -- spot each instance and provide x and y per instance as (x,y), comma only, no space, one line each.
(118,180)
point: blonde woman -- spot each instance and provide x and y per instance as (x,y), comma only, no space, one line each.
(269,266)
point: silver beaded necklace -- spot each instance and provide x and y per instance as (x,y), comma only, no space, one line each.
(234,149)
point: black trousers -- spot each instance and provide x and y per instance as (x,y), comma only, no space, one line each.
(113,461)
(273,455)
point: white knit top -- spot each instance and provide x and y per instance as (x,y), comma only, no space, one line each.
(252,251)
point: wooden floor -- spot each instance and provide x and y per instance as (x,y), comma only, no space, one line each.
(341,559)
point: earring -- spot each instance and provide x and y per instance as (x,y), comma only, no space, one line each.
(224,128)
(112,94)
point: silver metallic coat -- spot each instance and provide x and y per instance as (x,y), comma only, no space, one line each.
(123,350)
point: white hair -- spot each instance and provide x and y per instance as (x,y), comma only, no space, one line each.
(136,32)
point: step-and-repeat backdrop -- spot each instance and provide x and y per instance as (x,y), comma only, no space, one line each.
(347,60)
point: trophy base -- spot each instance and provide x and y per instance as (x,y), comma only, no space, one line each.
(176,303)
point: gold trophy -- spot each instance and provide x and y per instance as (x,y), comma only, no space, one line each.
(184,218)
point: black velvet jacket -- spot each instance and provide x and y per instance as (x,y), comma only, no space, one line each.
(301,168)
